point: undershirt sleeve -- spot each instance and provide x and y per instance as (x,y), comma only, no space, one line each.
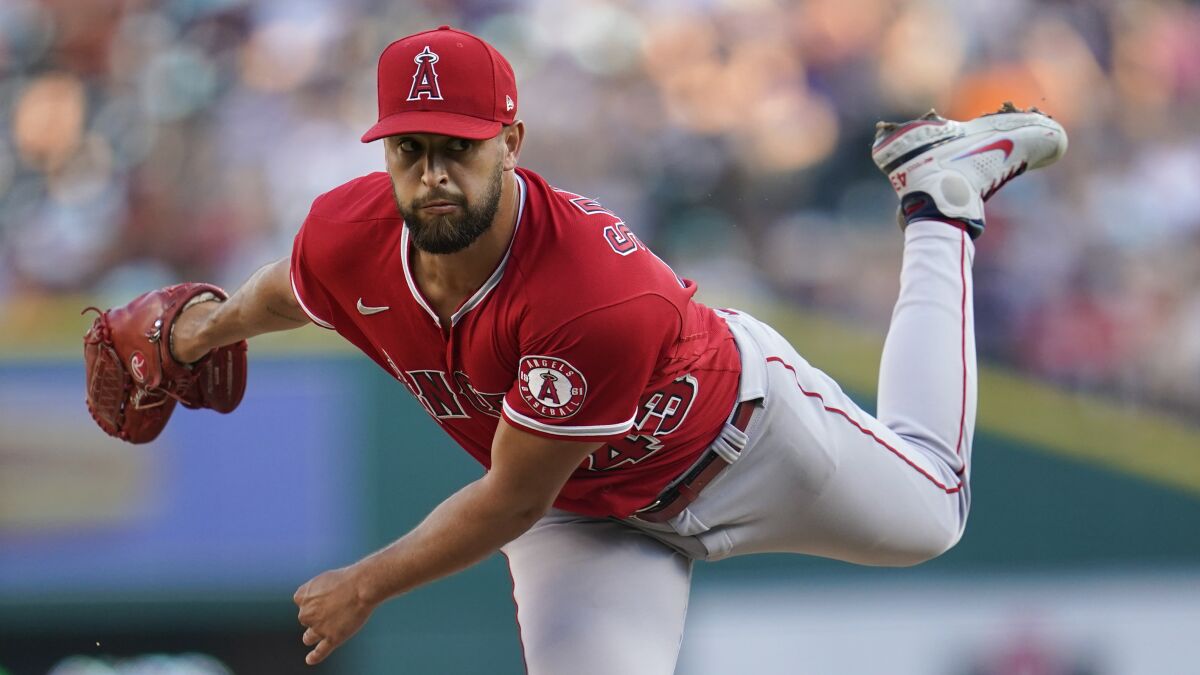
(583,380)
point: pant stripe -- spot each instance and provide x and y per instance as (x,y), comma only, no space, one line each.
(962,420)
(864,430)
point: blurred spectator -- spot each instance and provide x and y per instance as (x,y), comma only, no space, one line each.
(146,141)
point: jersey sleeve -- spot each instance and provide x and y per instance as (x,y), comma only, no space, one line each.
(306,286)
(583,380)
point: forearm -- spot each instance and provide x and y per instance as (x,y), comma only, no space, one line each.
(526,474)
(463,530)
(263,304)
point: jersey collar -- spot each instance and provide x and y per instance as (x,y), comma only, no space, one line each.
(492,281)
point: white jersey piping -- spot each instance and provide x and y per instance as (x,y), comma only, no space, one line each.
(492,281)
(596,430)
(300,301)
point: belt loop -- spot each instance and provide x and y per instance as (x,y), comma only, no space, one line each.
(722,452)
(730,443)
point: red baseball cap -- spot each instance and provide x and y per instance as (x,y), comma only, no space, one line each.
(443,81)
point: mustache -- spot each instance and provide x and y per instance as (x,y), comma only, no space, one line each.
(439,196)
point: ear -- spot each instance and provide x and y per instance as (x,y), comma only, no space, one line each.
(513,136)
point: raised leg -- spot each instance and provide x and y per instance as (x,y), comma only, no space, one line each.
(927,376)
(820,475)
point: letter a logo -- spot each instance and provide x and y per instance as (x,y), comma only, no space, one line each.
(425,80)
(549,392)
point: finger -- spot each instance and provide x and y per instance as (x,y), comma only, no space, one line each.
(318,654)
(310,638)
(298,596)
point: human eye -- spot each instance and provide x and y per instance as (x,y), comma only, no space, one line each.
(408,145)
(459,145)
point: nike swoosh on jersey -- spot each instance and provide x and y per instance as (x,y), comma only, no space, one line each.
(367,310)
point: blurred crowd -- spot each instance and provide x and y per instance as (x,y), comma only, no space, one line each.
(143,142)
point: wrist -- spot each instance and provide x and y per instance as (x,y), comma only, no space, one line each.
(189,333)
(368,581)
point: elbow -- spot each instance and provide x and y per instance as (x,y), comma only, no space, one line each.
(527,515)
(528,510)
(514,510)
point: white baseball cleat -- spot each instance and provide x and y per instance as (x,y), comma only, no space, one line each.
(946,170)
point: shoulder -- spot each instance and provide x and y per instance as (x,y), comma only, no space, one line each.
(574,257)
(351,225)
(572,215)
(365,198)
(571,233)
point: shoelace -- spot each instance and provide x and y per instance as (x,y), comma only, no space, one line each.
(1012,173)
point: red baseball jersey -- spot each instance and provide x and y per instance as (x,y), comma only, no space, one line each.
(580,333)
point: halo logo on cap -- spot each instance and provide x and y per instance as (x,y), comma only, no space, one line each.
(446,82)
(425,79)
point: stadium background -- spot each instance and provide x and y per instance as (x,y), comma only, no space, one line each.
(143,142)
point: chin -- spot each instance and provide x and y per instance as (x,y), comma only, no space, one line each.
(438,237)
(436,230)
(440,246)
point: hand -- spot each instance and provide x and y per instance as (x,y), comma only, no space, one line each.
(332,609)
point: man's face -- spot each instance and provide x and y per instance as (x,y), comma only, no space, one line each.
(447,188)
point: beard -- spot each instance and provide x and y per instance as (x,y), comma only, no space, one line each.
(443,234)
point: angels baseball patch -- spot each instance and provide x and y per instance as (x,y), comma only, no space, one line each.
(552,387)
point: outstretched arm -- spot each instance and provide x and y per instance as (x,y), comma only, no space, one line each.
(527,474)
(264,304)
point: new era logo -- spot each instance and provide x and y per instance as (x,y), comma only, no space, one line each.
(508,104)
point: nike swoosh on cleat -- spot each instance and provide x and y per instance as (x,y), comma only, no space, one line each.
(1002,144)
(367,310)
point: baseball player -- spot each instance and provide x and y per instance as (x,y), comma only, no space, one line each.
(626,429)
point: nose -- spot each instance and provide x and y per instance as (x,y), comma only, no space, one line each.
(434,174)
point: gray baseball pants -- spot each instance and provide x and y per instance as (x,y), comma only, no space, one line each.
(816,475)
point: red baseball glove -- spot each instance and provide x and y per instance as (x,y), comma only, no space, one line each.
(133,381)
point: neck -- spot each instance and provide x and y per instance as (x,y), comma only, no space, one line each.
(465,271)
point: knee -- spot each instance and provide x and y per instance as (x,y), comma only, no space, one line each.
(918,547)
